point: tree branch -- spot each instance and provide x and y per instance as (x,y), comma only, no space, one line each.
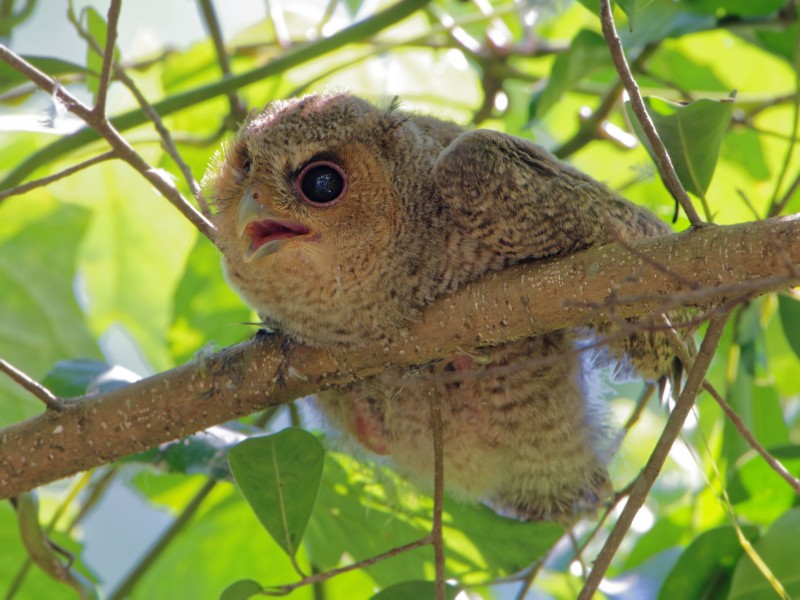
(526,300)
(641,488)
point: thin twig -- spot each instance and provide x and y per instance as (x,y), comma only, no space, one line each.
(37,183)
(325,576)
(238,111)
(51,401)
(124,150)
(167,141)
(108,59)
(663,160)
(773,462)
(644,482)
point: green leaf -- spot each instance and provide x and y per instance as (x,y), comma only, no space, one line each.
(241,590)
(789,310)
(279,475)
(414,590)
(70,378)
(40,320)
(705,567)
(632,7)
(759,494)
(586,55)
(778,550)
(692,134)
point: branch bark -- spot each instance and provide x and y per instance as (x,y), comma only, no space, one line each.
(709,265)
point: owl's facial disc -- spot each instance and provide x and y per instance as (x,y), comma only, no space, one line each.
(266,232)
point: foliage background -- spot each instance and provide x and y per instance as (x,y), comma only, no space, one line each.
(97,266)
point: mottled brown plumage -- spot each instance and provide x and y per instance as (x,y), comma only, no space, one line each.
(339,221)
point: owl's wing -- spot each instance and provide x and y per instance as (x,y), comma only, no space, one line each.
(523,203)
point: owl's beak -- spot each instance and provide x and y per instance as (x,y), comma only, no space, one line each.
(266,231)
(249,210)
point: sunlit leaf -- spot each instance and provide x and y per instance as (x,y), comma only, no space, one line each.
(368,512)
(692,134)
(776,549)
(279,476)
(705,567)
(414,590)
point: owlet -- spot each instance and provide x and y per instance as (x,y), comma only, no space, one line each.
(339,221)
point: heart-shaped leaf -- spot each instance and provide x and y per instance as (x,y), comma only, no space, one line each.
(692,134)
(279,475)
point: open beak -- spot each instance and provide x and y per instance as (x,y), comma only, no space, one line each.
(264,230)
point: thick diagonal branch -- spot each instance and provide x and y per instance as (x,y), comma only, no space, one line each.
(710,265)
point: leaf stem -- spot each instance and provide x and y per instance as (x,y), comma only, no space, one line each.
(51,401)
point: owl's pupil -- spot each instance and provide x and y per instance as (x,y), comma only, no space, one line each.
(322,184)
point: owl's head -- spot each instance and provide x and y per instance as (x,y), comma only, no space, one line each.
(322,210)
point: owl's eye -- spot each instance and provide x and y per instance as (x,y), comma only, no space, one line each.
(321,183)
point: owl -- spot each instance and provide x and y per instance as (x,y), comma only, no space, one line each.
(339,221)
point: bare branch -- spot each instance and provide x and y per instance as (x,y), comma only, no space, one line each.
(50,400)
(512,304)
(37,183)
(112,136)
(644,482)
(663,160)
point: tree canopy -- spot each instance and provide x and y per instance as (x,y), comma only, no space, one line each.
(125,356)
